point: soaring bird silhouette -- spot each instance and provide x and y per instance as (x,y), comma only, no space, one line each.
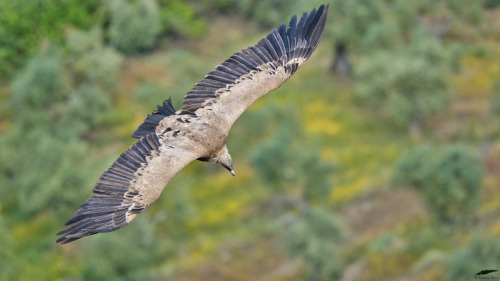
(170,139)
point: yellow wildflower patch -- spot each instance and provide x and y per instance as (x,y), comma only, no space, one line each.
(477,79)
(349,190)
(319,118)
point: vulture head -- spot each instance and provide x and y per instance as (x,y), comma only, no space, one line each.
(224,158)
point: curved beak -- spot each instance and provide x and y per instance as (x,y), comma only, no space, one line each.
(228,167)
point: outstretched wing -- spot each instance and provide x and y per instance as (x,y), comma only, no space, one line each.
(250,74)
(134,181)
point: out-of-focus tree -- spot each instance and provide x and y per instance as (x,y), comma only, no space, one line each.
(6,252)
(316,178)
(274,161)
(254,9)
(57,98)
(368,27)
(94,69)
(448,179)
(490,4)
(214,7)
(62,95)
(310,233)
(134,27)
(37,154)
(409,85)
(271,13)
(295,166)
(181,18)
(361,25)
(129,257)
(91,60)
(364,25)
(314,235)
(24,23)
(371,25)
(495,100)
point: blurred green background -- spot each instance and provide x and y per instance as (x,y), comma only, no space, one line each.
(378,160)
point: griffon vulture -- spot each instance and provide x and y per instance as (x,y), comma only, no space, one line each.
(170,139)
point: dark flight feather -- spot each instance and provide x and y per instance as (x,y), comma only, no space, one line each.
(106,209)
(153,120)
(277,48)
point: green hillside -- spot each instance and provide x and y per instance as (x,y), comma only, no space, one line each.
(378,160)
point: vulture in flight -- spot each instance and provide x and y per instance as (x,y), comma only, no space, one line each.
(170,139)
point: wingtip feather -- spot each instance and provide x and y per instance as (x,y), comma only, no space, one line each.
(296,40)
(109,205)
